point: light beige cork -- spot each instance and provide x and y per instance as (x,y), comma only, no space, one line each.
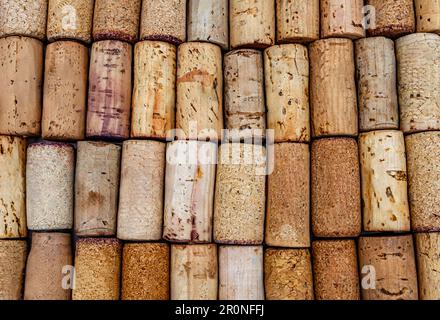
(288,274)
(342,19)
(12,187)
(427,15)
(141,190)
(13,255)
(428,264)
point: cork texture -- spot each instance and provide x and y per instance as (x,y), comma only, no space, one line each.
(342,19)
(427,15)
(428,264)
(12,266)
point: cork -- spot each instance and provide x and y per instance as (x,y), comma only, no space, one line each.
(241,273)
(245,110)
(21,67)
(208,21)
(428,264)
(427,15)
(49,185)
(109,100)
(145,271)
(141,190)
(392,18)
(50,254)
(97,269)
(23,18)
(287,92)
(116,20)
(12,187)
(65,91)
(418,75)
(336,199)
(335,270)
(342,19)
(194,272)
(189,191)
(154,88)
(384,181)
(377,89)
(96,188)
(288,274)
(239,203)
(70,19)
(252,23)
(199,91)
(12,265)
(423,160)
(391,268)
(288,197)
(164,20)
(333,89)
(297,21)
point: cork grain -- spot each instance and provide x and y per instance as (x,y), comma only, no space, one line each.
(428,264)
(12,265)
(342,19)
(427,15)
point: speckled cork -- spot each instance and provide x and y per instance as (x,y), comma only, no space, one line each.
(239,204)
(97,269)
(342,19)
(141,190)
(70,19)
(418,73)
(116,20)
(288,197)
(12,265)
(12,187)
(49,185)
(335,270)
(21,67)
(336,196)
(49,258)
(428,264)
(24,18)
(427,15)
(288,274)
(389,264)
(164,20)
(423,160)
(145,271)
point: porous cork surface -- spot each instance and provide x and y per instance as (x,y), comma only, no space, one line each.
(427,16)
(12,265)
(428,264)
(342,19)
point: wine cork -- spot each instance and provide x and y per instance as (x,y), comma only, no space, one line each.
(342,19)
(418,75)
(164,20)
(245,110)
(384,181)
(194,272)
(49,258)
(333,89)
(12,265)
(241,273)
(388,268)
(12,187)
(288,274)
(70,19)
(145,271)
(297,21)
(423,160)
(189,191)
(65,91)
(335,270)
(96,188)
(116,20)
(154,89)
(21,67)
(23,18)
(287,92)
(49,186)
(428,15)
(109,101)
(377,92)
(428,264)
(239,203)
(288,197)
(199,91)
(141,191)
(392,19)
(252,23)
(208,21)
(336,199)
